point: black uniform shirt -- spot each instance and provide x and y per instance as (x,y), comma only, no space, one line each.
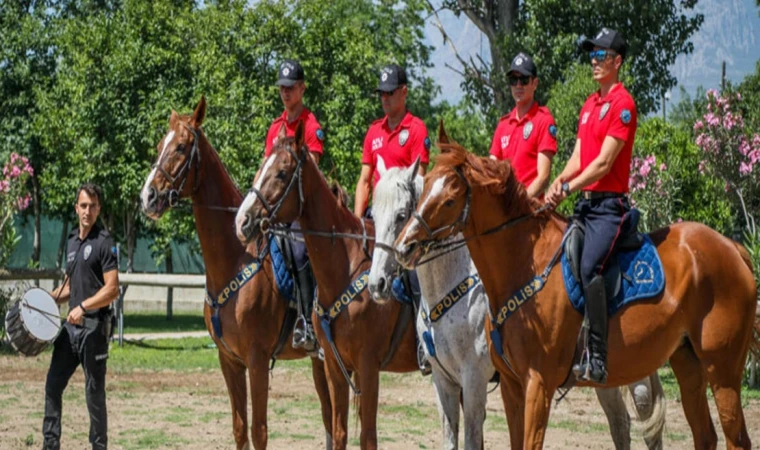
(86,262)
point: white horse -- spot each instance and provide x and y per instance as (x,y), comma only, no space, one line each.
(462,365)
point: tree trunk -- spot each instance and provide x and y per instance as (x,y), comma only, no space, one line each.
(61,248)
(37,215)
(169,290)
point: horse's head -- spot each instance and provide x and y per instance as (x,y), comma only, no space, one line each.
(443,207)
(277,192)
(175,173)
(393,201)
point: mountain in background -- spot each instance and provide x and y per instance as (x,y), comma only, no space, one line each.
(730,33)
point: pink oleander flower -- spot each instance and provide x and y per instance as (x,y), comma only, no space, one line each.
(744,147)
(745,168)
(698,125)
(712,119)
(663,167)
(702,167)
(5,186)
(644,170)
(680,220)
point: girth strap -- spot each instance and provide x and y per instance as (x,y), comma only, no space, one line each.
(326,317)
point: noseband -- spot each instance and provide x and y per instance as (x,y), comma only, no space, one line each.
(458,224)
(173,194)
(296,178)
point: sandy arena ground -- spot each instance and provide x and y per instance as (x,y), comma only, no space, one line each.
(190,410)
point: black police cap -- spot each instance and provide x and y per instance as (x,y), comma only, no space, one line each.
(607,38)
(391,77)
(524,65)
(290,73)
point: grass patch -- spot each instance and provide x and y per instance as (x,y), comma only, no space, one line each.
(149,439)
(157,323)
(580,427)
(670,436)
(164,354)
(301,437)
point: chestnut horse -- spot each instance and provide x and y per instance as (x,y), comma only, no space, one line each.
(290,187)
(189,167)
(701,323)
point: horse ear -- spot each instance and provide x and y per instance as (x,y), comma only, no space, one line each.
(415,170)
(173,119)
(300,135)
(283,133)
(381,166)
(200,113)
(443,138)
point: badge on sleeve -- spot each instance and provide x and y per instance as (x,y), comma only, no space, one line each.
(403,136)
(427,143)
(527,129)
(115,251)
(625,116)
(320,134)
(603,112)
(553,130)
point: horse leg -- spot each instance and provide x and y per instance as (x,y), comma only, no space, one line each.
(537,408)
(513,398)
(339,399)
(234,376)
(323,392)
(649,400)
(726,384)
(369,380)
(258,373)
(475,388)
(693,386)
(615,409)
(447,396)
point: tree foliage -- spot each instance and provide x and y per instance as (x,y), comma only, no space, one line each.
(550,30)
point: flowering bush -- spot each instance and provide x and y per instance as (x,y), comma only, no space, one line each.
(14,198)
(730,152)
(653,191)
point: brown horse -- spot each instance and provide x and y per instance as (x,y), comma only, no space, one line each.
(189,167)
(291,182)
(702,323)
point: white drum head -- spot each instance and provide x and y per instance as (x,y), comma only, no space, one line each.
(40,314)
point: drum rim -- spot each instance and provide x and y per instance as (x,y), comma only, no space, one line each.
(23,323)
(28,333)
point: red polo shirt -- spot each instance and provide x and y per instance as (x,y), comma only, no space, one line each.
(313,132)
(520,141)
(612,115)
(399,147)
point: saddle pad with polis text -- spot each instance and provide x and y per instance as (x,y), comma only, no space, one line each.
(643,278)
(282,275)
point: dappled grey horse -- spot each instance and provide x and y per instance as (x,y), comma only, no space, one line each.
(451,323)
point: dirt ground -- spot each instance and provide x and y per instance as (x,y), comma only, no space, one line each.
(190,410)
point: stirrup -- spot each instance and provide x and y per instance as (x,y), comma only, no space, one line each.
(422,361)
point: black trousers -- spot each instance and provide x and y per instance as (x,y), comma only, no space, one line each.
(606,220)
(86,345)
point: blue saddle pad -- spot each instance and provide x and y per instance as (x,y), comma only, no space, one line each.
(282,275)
(643,277)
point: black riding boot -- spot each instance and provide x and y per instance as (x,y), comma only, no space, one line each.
(593,367)
(303,334)
(412,288)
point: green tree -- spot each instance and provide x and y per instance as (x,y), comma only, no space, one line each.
(657,32)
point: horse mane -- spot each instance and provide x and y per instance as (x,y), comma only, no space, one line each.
(496,177)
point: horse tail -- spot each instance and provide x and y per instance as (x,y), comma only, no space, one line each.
(654,424)
(744,253)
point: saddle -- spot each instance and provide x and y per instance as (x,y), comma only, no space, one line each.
(629,241)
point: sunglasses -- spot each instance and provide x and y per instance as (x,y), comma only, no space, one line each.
(513,81)
(387,93)
(600,55)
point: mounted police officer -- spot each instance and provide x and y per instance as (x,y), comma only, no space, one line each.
(91,284)
(292,86)
(527,136)
(599,168)
(399,138)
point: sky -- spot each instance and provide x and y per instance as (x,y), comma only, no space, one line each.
(730,32)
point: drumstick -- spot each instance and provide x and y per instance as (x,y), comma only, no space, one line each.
(44,313)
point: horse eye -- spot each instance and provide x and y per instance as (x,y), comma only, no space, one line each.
(449,203)
(401,217)
(181,148)
(281,175)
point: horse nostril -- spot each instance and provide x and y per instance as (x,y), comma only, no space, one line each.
(381,285)
(246,225)
(152,196)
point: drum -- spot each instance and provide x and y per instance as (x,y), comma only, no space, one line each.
(33,322)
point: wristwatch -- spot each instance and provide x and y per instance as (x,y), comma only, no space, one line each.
(566,188)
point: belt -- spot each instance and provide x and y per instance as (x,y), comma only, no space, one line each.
(593,195)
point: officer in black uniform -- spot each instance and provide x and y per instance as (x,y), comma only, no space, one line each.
(91,284)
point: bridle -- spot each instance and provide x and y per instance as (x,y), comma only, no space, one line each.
(172,194)
(272,211)
(460,221)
